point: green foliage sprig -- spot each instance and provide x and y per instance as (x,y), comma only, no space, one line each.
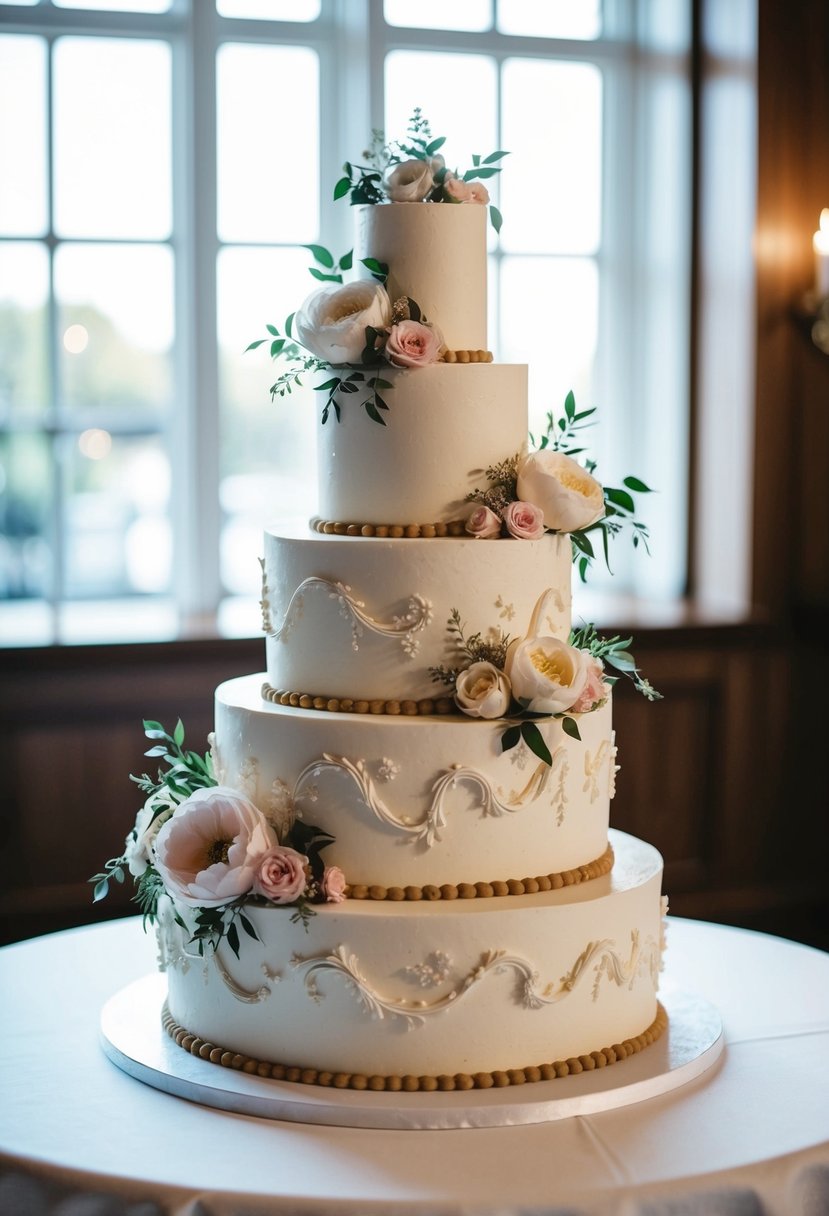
(562,435)
(616,653)
(473,649)
(363,183)
(183,773)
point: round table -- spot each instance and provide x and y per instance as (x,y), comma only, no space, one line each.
(750,1137)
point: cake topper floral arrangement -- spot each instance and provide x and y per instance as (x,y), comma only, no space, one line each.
(355,328)
(209,848)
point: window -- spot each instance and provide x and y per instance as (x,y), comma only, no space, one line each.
(162,166)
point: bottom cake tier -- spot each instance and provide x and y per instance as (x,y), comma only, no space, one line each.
(430,995)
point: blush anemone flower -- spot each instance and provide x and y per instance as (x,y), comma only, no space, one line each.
(209,851)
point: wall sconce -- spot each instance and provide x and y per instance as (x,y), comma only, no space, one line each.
(813,313)
(820,244)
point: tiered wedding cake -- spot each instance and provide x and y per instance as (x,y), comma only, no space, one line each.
(427,720)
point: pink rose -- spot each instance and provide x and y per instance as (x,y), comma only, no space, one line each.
(595,691)
(209,849)
(333,884)
(478,193)
(483,524)
(524,521)
(456,189)
(281,876)
(412,344)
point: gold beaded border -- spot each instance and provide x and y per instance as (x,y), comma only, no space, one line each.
(350,705)
(408,1083)
(330,527)
(466,356)
(488,890)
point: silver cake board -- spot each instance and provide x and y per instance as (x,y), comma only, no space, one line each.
(133,1038)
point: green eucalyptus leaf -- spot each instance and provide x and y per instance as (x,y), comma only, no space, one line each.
(289,323)
(570,727)
(321,254)
(620,498)
(342,187)
(638,487)
(233,939)
(493,156)
(510,737)
(432,148)
(534,740)
(495,217)
(272,330)
(254,345)
(570,405)
(324,278)
(347,260)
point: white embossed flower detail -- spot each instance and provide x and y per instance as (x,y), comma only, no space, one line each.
(207,853)
(387,769)
(139,844)
(434,970)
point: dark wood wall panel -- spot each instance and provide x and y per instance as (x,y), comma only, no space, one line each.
(699,776)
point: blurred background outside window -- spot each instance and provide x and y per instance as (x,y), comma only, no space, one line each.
(161,166)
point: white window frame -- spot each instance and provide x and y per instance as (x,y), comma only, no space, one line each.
(352,40)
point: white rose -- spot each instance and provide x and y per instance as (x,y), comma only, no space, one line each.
(482,691)
(332,322)
(139,844)
(547,675)
(567,494)
(408,182)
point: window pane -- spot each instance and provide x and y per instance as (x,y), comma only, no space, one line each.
(25,504)
(23,208)
(24,350)
(115,317)
(112,138)
(267,448)
(453,80)
(552,125)
(268,183)
(438,15)
(552,19)
(558,340)
(118,6)
(270,10)
(118,539)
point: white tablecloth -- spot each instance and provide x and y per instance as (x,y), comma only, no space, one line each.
(78,1137)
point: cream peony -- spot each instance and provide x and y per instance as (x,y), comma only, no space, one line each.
(332,322)
(412,344)
(482,691)
(568,495)
(478,193)
(547,675)
(483,523)
(208,852)
(281,875)
(408,182)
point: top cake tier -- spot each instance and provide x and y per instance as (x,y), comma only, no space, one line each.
(436,254)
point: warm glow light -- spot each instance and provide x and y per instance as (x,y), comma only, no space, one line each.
(820,244)
(95,444)
(75,339)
